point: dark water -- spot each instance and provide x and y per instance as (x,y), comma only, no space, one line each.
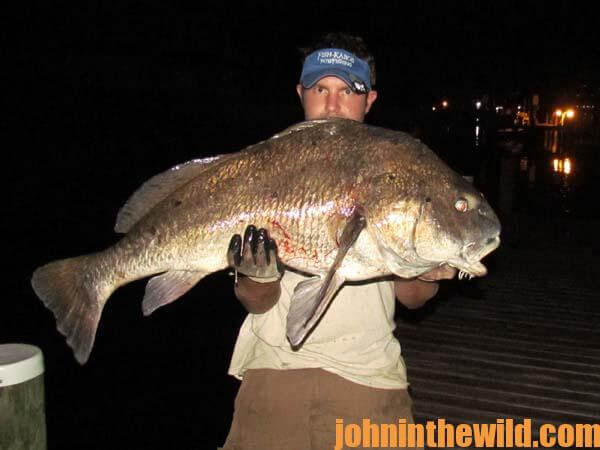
(545,172)
(551,173)
(161,381)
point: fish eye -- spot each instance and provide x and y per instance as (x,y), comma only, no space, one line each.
(461,205)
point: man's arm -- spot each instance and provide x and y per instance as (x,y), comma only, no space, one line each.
(256,297)
(416,292)
(256,256)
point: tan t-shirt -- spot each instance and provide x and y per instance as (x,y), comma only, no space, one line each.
(353,339)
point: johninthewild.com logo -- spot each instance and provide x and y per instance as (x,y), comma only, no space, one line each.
(504,433)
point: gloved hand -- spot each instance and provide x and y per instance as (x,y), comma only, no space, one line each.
(255,256)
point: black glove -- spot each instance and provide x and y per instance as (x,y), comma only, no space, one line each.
(255,256)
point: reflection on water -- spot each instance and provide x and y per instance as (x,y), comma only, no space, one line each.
(542,172)
(534,170)
(562,165)
(551,140)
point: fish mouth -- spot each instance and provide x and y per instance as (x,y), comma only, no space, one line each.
(474,270)
(469,265)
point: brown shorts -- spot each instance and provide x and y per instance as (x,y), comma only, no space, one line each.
(297,409)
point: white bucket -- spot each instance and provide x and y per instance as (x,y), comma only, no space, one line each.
(22,411)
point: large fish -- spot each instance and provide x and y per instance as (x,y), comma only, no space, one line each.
(343,200)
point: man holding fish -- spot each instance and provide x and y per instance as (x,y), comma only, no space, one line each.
(371,213)
(350,366)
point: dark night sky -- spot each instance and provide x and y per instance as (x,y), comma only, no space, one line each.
(97,59)
(419,47)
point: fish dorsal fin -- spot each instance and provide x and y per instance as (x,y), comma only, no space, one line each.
(300,127)
(312,297)
(158,188)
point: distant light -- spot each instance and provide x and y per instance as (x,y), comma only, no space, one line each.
(478,105)
(433,108)
(562,165)
(445,104)
(477,131)
(498,108)
(558,112)
(570,113)
(519,107)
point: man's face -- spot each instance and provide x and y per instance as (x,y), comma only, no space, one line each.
(331,97)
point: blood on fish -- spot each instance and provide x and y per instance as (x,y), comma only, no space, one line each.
(287,248)
(277,225)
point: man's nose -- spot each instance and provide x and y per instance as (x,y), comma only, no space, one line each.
(332,103)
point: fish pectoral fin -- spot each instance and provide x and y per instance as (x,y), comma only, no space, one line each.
(168,287)
(312,297)
(308,304)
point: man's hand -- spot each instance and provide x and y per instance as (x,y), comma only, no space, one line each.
(255,256)
(444,272)
(416,292)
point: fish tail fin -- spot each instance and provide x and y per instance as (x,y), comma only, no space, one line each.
(75,298)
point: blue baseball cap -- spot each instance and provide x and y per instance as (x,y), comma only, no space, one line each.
(338,63)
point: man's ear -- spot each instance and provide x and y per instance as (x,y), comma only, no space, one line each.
(300,90)
(371,97)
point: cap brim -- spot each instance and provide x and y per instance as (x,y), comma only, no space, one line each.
(309,79)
